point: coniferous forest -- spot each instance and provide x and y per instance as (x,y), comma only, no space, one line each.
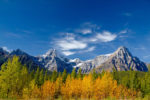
(74,49)
(17,82)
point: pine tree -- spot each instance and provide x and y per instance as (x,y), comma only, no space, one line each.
(73,74)
(64,76)
(45,76)
(79,75)
(41,77)
(94,74)
(103,72)
(36,76)
(114,73)
(54,76)
(132,76)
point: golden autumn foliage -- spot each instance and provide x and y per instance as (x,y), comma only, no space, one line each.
(99,89)
(86,88)
(17,82)
(48,89)
(72,88)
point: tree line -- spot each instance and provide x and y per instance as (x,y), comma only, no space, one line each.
(16,81)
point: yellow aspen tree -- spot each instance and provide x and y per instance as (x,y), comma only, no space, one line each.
(76,88)
(48,90)
(58,85)
(113,88)
(36,93)
(87,86)
(65,89)
(32,91)
(105,87)
(97,89)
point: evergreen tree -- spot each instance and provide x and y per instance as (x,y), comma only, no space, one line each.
(80,74)
(103,72)
(73,74)
(132,76)
(114,73)
(41,77)
(94,74)
(45,76)
(64,75)
(54,76)
(36,76)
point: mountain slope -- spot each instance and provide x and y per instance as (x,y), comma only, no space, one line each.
(121,60)
(30,61)
(52,60)
(3,56)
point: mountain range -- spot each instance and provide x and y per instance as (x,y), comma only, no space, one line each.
(120,60)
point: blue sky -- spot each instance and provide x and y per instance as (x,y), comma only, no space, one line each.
(76,28)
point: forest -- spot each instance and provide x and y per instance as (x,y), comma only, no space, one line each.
(17,82)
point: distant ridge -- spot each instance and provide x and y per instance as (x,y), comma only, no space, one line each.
(120,60)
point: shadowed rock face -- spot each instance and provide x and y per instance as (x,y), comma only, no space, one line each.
(52,60)
(121,60)
(3,56)
(30,61)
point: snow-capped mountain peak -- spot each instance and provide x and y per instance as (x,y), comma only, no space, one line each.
(121,59)
(53,53)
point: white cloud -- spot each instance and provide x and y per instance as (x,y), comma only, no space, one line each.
(68,53)
(123,31)
(87,28)
(106,36)
(76,43)
(124,36)
(140,48)
(85,31)
(91,49)
(6,49)
(93,39)
(147,56)
(90,25)
(69,45)
(15,35)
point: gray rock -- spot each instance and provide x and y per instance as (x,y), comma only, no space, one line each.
(120,60)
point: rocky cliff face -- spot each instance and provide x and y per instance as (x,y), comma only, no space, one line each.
(120,60)
(30,61)
(52,60)
(89,65)
(3,56)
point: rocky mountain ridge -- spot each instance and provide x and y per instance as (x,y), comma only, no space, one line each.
(120,60)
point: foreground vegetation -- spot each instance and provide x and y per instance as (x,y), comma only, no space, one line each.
(17,82)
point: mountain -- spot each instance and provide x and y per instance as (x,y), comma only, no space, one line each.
(120,60)
(30,61)
(3,56)
(89,65)
(52,60)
